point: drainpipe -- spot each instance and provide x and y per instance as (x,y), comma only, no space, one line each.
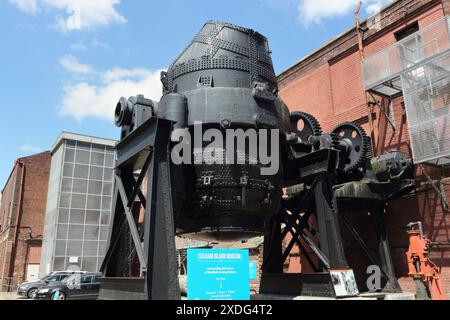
(361,55)
(16,226)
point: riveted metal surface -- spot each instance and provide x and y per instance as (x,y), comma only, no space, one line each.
(241,49)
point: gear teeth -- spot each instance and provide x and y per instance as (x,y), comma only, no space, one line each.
(369,154)
(334,139)
(366,148)
(310,122)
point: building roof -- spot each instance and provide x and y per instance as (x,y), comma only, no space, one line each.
(82,138)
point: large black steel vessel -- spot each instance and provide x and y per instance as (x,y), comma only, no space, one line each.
(225,81)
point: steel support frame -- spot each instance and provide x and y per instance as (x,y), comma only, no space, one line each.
(318,169)
(384,251)
(146,150)
(330,250)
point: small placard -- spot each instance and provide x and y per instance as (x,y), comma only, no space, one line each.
(73,259)
(344,283)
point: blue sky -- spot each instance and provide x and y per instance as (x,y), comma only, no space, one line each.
(64,63)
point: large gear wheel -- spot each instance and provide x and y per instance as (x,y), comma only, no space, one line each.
(305,125)
(358,144)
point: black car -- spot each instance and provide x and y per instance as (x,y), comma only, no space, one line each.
(76,287)
(29,288)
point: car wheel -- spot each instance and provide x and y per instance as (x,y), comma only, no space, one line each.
(31,293)
(58,296)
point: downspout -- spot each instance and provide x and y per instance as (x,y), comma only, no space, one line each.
(16,226)
(361,55)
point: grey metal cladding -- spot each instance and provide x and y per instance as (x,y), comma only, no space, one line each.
(223,46)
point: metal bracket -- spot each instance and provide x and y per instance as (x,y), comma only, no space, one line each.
(388,118)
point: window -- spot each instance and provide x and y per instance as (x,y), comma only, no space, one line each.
(409,48)
(97,159)
(70,156)
(94,202)
(82,157)
(107,188)
(82,214)
(53,279)
(60,247)
(96,173)
(78,201)
(86,279)
(68,170)
(406,32)
(95,187)
(66,185)
(80,186)
(92,217)
(77,216)
(81,171)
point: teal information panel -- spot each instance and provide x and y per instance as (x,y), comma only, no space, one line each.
(218,274)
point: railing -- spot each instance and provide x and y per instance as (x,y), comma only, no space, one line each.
(426,91)
(389,63)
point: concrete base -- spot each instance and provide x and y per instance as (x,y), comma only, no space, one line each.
(400,296)
(332,299)
(362,297)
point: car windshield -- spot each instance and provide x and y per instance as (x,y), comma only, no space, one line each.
(52,278)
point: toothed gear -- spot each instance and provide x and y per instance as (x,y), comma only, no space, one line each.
(359,142)
(334,139)
(311,126)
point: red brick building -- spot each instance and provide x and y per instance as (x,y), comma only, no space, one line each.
(329,84)
(22,214)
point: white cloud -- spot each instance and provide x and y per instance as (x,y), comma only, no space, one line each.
(80,46)
(73,65)
(79,14)
(118,74)
(95,43)
(376,6)
(29,148)
(29,6)
(314,11)
(98,98)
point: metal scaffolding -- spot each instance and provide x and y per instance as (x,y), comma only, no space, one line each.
(418,68)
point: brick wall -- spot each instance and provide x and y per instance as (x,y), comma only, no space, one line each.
(329,85)
(30,219)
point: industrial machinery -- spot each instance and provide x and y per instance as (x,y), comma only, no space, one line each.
(223,83)
(425,273)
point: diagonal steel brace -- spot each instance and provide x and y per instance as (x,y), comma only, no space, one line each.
(132,225)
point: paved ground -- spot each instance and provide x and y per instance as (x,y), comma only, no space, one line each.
(401,296)
(367,296)
(10,296)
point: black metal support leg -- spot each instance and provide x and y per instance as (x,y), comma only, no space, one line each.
(272,255)
(159,242)
(385,251)
(330,236)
